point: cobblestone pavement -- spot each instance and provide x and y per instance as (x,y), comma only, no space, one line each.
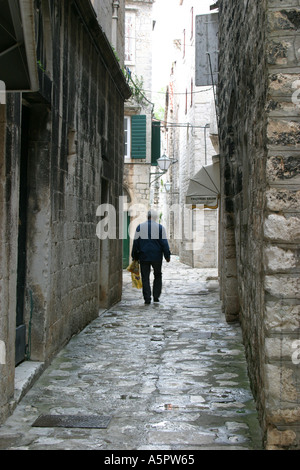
(171,376)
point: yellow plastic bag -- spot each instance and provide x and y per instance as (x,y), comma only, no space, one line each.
(134,269)
(136,281)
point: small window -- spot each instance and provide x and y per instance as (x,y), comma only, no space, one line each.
(155,142)
(127,137)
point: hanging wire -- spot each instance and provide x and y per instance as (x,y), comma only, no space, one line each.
(180,124)
(180,93)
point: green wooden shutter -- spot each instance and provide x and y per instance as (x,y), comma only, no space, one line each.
(155,143)
(138,136)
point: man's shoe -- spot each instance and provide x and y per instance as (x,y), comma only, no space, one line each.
(147,302)
(156,300)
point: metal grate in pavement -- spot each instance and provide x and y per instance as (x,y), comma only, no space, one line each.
(72,421)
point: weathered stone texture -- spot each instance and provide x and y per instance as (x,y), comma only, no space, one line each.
(9,177)
(74,154)
(85,122)
(259,140)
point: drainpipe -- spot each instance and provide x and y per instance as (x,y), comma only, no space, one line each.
(205,143)
(114,29)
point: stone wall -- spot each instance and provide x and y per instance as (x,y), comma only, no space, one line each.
(259,235)
(282,225)
(9,208)
(78,143)
(70,136)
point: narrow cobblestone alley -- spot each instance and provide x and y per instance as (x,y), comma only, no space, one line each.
(169,376)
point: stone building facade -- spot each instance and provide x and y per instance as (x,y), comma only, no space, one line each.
(61,158)
(186,137)
(259,68)
(138,117)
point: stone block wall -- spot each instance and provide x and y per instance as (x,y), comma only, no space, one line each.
(282,225)
(79,148)
(73,152)
(259,235)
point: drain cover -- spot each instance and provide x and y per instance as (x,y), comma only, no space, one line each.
(72,421)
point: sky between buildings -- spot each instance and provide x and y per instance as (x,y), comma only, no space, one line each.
(169,26)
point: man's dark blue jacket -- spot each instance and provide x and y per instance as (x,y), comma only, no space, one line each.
(150,242)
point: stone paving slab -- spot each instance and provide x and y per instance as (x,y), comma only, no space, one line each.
(172,376)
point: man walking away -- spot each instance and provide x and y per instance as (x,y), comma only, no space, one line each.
(149,247)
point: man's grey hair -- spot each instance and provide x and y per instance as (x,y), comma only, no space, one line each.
(153,215)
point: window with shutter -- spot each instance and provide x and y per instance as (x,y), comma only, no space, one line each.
(138,136)
(155,143)
(127,137)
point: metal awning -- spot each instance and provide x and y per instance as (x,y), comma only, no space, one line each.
(204,187)
(18,62)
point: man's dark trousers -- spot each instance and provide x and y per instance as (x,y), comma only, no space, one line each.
(157,284)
